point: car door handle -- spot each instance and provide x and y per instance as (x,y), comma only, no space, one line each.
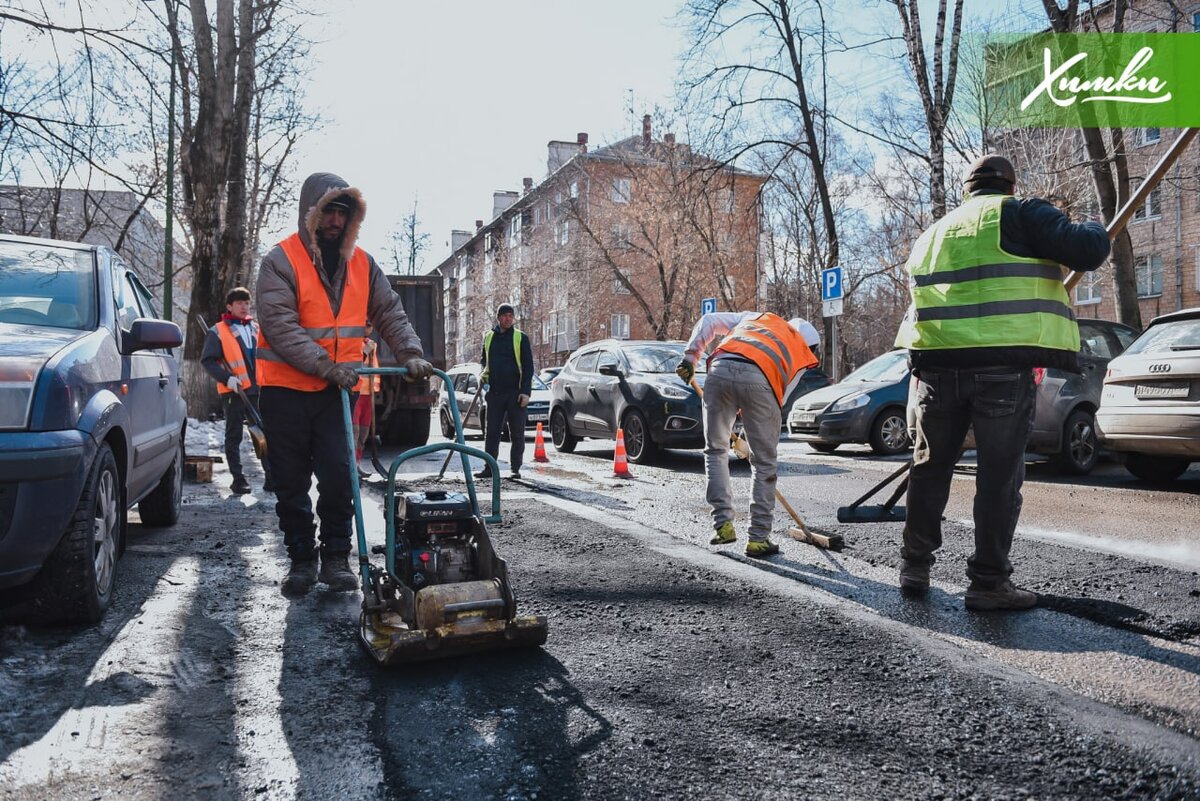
(591,387)
(163,381)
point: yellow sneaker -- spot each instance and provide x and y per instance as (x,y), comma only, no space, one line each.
(760,549)
(724,534)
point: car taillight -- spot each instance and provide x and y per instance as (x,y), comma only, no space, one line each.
(1039,373)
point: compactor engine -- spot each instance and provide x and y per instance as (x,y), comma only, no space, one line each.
(436,542)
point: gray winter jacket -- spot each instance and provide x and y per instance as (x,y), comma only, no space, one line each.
(275,295)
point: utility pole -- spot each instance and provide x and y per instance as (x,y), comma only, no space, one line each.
(169,247)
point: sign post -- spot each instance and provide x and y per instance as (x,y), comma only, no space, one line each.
(831,306)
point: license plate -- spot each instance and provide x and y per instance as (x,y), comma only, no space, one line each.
(1174,389)
(805,418)
(538,418)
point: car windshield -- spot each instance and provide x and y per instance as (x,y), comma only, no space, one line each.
(539,383)
(1169,336)
(889,367)
(45,285)
(662,358)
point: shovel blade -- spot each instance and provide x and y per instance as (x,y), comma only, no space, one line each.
(871,514)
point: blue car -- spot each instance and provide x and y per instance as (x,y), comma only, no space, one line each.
(91,423)
(866,406)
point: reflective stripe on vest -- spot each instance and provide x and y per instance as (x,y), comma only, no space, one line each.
(969,293)
(487,354)
(362,386)
(777,349)
(341,336)
(232,352)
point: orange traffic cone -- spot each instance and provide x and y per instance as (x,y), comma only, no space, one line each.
(620,465)
(539,446)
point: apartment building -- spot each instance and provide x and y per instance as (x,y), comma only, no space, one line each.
(624,241)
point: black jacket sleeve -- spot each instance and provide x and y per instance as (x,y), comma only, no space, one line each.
(1034,228)
(212,356)
(527,367)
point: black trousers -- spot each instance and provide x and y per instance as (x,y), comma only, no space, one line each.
(235,419)
(1000,405)
(502,410)
(306,435)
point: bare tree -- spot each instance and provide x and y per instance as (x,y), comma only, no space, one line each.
(409,243)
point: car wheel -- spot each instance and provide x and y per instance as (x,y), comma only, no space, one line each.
(447,425)
(1148,467)
(639,447)
(1080,448)
(560,434)
(76,583)
(889,433)
(162,506)
(824,447)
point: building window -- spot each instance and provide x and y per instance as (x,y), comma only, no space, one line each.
(574,189)
(564,232)
(487,248)
(1198,269)
(1087,291)
(1151,135)
(1149,276)
(619,326)
(622,236)
(619,288)
(1152,208)
(620,190)
(514,231)
(487,271)
(1196,21)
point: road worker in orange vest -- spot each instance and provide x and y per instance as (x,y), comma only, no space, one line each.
(229,357)
(757,362)
(315,291)
(367,389)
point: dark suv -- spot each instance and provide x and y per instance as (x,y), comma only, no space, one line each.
(91,423)
(629,385)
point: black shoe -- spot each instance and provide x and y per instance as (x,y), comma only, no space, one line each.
(240,486)
(335,571)
(300,578)
(515,474)
(484,473)
(914,579)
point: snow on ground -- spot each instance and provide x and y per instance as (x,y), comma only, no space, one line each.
(205,437)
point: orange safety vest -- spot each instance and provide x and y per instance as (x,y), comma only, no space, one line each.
(341,335)
(362,387)
(233,357)
(774,346)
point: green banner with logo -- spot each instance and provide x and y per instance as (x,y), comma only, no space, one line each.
(1093,80)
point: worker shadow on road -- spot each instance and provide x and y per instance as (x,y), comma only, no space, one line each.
(942,612)
(510,725)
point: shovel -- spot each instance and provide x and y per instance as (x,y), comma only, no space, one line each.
(254,425)
(800,532)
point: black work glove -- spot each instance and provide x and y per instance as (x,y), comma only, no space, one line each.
(686,370)
(338,374)
(418,369)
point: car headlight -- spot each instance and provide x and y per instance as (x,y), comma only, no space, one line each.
(17,376)
(674,393)
(854,401)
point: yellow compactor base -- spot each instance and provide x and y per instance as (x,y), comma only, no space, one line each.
(390,642)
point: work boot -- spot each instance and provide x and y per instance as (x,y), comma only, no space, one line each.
(301,576)
(240,486)
(1003,596)
(914,579)
(335,571)
(724,534)
(515,474)
(484,473)
(761,549)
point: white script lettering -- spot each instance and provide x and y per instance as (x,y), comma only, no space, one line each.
(1102,87)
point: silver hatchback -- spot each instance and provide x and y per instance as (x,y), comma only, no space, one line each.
(1150,407)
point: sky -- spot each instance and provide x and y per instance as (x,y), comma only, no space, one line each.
(444,103)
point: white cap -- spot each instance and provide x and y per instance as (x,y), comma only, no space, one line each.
(811,337)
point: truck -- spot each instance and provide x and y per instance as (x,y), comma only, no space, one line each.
(403,409)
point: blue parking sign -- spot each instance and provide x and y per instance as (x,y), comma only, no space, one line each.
(708,306)
(831,283)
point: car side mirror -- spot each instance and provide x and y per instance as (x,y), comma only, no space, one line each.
(148,334)
(611,369)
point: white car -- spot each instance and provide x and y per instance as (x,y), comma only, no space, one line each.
(1150,406)
(465,378)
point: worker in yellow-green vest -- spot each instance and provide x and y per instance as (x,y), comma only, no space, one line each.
(988,305)
(508,378)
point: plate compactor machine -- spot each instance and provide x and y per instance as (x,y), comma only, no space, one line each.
(443,591)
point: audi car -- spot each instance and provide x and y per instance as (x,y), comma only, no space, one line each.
(629,385)
(1150,408)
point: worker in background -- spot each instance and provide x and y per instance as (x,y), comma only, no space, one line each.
(229,356)
(988,306)
(368,387)
(758,361)
(316,290)
(508,375)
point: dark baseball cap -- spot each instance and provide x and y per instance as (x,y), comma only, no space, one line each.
(991,167)
(340,202)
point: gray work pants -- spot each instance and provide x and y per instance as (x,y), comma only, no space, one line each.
(733,385)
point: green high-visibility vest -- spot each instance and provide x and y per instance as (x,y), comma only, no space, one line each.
(487,353)
(969,293)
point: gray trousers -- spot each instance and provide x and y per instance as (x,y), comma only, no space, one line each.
(733,385)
